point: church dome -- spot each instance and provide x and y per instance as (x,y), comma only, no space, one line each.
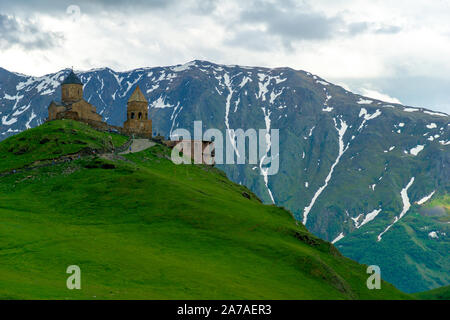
(72,79)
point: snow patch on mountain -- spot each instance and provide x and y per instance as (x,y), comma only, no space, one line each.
(262,86)
(174,116)
(435,113)
(183,67)
(265,171)
(339,237)
(118,78)
(433,235)
(153,88)
(326,107)
(324,83)
(364,101)
(406,206)
(8,122)
(21,110)
(49,82)
(236,104)
(341,131)
(356,219)
(131,85)
(15,98)
(264,81)
(160,103)
(33,116)
(415,151)
(273,95)
(425,199)
(366,116)
(369,217)
(244,81)
(231,134)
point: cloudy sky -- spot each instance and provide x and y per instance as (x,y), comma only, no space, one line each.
(394,50)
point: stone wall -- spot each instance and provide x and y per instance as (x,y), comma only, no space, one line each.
(80,110)
(85,110)
(138,127)
(54,110)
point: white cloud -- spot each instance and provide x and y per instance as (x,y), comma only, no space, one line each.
(378,95)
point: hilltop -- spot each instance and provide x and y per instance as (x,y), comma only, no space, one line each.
(140,227)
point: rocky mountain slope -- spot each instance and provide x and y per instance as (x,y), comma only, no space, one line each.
(357,171)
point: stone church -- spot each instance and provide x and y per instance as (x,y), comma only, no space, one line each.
(73,106)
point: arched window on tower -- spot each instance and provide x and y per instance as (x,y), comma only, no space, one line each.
(132,115)
(140,115)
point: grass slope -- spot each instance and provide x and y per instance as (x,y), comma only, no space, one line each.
(141,227)
(442,293)
(52,140)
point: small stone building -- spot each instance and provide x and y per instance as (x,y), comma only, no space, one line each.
(72,105)
(137,115)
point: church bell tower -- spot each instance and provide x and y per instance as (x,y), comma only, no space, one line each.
(137,115)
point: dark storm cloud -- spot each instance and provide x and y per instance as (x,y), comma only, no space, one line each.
(290,21)
(251,39)
(287,20)
(95,6)
(26,34)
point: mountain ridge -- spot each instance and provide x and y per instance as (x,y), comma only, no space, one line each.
(192,62)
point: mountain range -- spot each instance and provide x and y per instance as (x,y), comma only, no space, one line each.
(370,176)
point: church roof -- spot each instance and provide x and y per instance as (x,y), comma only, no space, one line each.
(72,79)
(137,96)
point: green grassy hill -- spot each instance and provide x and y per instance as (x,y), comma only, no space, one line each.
(442,293)
(53,140)
(140,227)
(422,233)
